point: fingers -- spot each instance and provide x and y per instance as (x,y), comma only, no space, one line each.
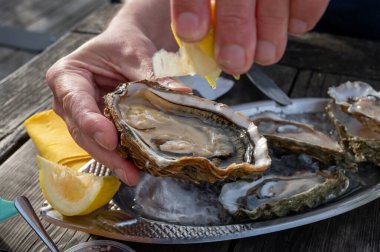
(75,99)
(191,19)
(304,14)
(272,27)
(124,169)
(76,96)
(235,35)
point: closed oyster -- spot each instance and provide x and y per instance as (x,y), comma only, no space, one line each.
(360,100)
(358,138)
(273,195)
(173,134)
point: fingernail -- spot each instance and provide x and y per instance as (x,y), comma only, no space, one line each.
(265,52)
(297,26)
(188,26)
(100,139)
(232,56)
(120,173)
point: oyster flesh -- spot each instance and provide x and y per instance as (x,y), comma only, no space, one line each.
(167,133)
(302,138)
(359,100)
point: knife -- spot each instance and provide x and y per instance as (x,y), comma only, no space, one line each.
(267,86)
(201,87)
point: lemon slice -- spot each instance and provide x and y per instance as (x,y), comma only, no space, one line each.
(71,192)
(191,59)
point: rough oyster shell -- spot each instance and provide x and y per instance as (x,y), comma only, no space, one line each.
(274,195)
(355,137)
(173,134)
(360,100)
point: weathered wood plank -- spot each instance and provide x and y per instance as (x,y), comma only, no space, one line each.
(354,231)
(316,84)
(54,17)
(25,92)
(19,176)
(334,54)
(98,20)
(11,59)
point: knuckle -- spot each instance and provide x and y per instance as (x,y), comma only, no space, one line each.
(56,70)
(272,19)
(185,5)
(234,20)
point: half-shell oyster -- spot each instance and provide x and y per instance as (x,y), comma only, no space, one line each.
(355,137)
(273,195)
(173,134)
(360,100)
(299,138)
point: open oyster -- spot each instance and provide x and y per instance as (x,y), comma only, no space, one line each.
(302,138)
(173,134)
(360,100)
(356,137)
(274,195)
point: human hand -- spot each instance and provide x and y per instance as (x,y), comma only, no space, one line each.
(246,31)
(122,53)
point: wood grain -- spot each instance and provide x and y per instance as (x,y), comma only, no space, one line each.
(54,17)
(334,54)
(98,21)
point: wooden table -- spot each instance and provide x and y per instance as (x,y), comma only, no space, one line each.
(312,63)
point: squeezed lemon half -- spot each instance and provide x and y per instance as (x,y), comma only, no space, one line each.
(191,59)
(71,192)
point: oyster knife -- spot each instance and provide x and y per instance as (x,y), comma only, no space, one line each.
(267,86)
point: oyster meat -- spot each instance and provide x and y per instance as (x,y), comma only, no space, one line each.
(359,100)
(167,133)
(302,138)
(298,138)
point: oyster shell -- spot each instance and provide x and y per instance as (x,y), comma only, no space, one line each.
(272,195)
(302,138)
(355,137)
(360,100)
(179,135)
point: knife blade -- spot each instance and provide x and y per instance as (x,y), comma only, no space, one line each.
(202,88)
(267,86)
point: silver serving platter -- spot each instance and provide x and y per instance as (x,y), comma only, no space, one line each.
(110,221)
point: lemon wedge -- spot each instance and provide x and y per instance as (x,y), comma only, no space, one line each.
(191,58)
(71,192)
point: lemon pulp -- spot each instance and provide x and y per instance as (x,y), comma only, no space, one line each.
(71,192)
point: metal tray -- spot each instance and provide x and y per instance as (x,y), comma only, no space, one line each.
(112,222)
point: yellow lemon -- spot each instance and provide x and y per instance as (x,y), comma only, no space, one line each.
(71,192)
(191,59)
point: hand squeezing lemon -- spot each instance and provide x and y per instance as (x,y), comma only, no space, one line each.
(191,59)
(71,192)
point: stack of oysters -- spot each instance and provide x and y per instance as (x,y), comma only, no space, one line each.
(172,134)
